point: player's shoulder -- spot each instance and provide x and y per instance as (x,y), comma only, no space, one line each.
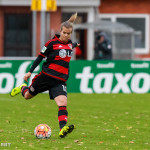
(69,41)
(52,41)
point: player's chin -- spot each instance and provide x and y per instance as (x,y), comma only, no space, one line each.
(65,40)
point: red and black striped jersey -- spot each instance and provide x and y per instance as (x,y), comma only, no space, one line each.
(58,55)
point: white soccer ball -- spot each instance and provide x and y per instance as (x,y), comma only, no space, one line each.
(42,131)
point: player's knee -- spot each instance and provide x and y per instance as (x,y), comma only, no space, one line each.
(27,96)
(61,100)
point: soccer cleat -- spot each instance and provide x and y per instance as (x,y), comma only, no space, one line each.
(65,130)
(17,90)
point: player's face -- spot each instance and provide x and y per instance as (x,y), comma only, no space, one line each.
(65,34)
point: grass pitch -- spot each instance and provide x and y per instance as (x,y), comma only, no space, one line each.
(103,122)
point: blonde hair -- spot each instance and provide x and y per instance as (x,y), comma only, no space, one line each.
(69,23)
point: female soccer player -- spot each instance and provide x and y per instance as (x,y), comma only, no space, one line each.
(54,74)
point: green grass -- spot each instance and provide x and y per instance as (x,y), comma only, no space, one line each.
(103,122)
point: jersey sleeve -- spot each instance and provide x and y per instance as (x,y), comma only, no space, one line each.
(46,49)
(74,45)
(36,63)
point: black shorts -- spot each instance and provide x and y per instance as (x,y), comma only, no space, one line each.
(42,82)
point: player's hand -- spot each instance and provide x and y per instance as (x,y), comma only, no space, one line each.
(27,76)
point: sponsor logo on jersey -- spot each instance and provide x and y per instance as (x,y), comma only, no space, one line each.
(62,53)
(43,49)
(70,45)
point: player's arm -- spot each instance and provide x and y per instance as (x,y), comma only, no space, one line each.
(34,65)
(38,60)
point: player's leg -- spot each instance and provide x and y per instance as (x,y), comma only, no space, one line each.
(61,102)
(24,89)
(15,91)
(58,92)
(25,93)
(38,85)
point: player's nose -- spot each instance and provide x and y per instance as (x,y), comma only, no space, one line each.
(65,35)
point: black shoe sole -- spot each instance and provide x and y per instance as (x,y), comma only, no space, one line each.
(71,128)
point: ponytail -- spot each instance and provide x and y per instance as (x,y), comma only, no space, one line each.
(73,18)
(69,23)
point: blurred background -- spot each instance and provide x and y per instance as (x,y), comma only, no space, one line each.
(25,26)
(114,36)
(109,74)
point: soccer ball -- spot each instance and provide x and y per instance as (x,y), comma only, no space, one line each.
(42,131)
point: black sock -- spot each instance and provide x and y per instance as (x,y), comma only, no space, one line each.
(24,89)
(62,116)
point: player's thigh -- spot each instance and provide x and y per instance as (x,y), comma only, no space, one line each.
(59,93)
(39,84)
